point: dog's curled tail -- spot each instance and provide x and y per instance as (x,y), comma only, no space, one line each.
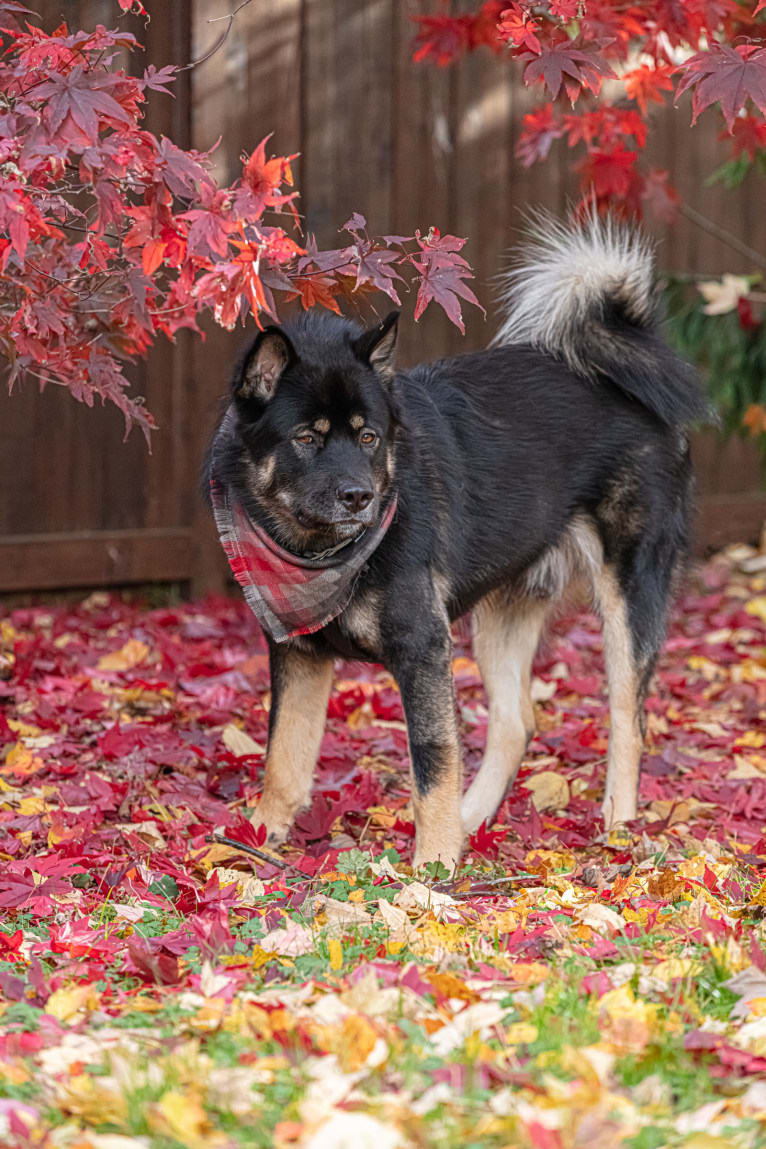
(585,292)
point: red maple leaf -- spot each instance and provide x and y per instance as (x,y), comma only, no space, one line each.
(262,181)
(660,197)
(443,272)
(82,98)
(566,9)
(728,76)
(565,63)
(608,173)
(442,37)
(749,135)
(518,28)
(644,84)
(211,224)
(539,130)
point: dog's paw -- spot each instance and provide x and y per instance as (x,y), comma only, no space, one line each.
(277,823)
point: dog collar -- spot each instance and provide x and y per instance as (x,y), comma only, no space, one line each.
(291,594)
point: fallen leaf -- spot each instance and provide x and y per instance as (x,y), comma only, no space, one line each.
(131,654)
(549,790)
(239,742)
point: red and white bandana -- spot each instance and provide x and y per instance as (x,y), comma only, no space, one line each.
(289,594)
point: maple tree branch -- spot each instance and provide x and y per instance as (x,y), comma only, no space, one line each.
(221,39)
(725,236)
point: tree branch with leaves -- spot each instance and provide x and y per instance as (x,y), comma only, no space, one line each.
(111,236)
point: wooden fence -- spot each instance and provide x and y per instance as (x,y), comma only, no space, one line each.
(408,146)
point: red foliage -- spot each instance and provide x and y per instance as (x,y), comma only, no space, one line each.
(111,235)
(571,46)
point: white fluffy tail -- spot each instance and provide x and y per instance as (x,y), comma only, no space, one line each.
(585,292)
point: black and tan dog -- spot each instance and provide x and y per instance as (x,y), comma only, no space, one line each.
(557,457)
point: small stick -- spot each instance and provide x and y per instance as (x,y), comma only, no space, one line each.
(272,859)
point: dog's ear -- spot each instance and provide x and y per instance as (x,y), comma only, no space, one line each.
(377,346)
(263,366)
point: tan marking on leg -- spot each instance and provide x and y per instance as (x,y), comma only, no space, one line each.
(294,744)
(357,422)
(625,737)
(438,825)
(505,641)
(322,425)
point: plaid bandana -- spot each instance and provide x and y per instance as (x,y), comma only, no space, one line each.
(290,594)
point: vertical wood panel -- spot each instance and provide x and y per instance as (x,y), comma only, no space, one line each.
(422,173)
(347,142)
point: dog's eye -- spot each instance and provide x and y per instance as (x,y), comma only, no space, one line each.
(367,438)
(306,439)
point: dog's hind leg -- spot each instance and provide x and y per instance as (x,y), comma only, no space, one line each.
(506,636)
(300,689)
(632,605)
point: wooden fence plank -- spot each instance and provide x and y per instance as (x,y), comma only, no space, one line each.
(95,558)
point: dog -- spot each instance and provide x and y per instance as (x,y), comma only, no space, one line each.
(364,508)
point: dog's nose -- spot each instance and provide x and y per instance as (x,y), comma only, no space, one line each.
(353,497)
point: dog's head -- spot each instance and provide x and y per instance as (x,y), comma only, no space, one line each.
(317,423)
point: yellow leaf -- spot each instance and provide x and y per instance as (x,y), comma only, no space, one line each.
(752,738)
(23,729)
(357,1041)
(675,968)
(21,760)
(68,1001)
(520,1033)
(707,1141)
(757,607)
(336,953)
(32,805)
(89,1098)
(528,973)
(261,957)
(130,655)
(14,1072)
(549,790)
(180,1115)
(709,669)
(625,1022)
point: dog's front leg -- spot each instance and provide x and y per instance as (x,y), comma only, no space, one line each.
(423,670)
(300,688)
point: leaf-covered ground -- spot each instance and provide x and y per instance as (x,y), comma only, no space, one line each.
(158,989)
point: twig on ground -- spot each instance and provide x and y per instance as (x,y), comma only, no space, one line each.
(262,855)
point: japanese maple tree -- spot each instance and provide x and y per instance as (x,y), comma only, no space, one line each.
(598,68)
(648,51)
(111,236)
